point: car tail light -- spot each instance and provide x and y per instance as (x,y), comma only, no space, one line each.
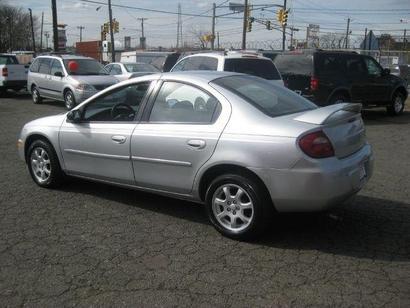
(314,83)
(4,72)
(316,145)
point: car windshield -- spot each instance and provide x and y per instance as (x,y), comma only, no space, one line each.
(84,67)
(140,67)
(257,67)
(8,60)
(270,99)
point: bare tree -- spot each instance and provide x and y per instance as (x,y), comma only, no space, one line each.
(15,28)
(199,37)
(331,41)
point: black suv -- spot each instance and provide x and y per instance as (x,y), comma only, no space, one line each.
(329,77)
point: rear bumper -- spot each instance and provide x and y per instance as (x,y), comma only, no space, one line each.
(13,84)
(316,185)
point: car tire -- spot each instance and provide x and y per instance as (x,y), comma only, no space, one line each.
(338,98)
(69,99)
(43,165)
(243,215)
(35,95)
(396,106)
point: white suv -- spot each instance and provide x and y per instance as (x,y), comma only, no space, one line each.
(240,62)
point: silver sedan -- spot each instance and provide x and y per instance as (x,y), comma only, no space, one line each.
(245,148)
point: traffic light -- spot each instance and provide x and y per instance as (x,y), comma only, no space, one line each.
(285,18)
(103,34)
(106,27)
(279,15)
(268,26)
(249,24)
(115,26)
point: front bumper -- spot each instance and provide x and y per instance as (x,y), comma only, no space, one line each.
(315,185)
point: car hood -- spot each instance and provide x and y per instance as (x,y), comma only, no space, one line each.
(96,79)
(50,121)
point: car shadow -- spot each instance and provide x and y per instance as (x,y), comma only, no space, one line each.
(367,227)
(380,117)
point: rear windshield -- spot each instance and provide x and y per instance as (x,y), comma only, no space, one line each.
(256,67)
(140,67)
(8,60)
(294,64)
(271,99)
(84,67)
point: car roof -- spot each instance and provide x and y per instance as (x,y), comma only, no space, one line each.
(229,55)
(65,57)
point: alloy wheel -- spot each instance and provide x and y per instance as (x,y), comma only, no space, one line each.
(232,207)
(40,164)
(398,104)
(69,100)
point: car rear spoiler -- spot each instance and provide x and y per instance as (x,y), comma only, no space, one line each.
(332,113)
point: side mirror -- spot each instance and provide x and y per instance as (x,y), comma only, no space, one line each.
(386,72)
(74,116)
(58,74)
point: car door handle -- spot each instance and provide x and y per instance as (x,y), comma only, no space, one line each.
(196,143)
(119,139)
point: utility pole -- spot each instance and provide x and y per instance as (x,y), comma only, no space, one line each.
(142,40)
(404,40)
(347,33)
(284,28)
(47,35)
(111,32)
(41,31)
(55,30)
(213,26)
(81,28)
(32,31)
(365,38)
(245,20)
(217,34)
(291,35)
(179,27)
(370,39)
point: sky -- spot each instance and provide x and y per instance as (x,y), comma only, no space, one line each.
(389,16)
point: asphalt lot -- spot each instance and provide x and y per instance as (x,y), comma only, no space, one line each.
(88,244)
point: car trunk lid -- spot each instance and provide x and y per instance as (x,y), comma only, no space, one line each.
(343,125)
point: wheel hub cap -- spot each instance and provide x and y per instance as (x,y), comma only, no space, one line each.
(232,207)
(40,164)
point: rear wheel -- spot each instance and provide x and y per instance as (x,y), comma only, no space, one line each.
(43,164)
(238,207)
(396,106)
(338,98)
(69,100)
(35,94)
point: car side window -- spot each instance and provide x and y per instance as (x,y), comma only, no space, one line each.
(35,66)
(179,66)
(44,66)
(108,68)
(373,67)
(56,67)
(115,70)
(121,104)
(182,103)
(208,64)
(355,66)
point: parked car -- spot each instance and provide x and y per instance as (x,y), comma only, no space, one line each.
(329,77)
(13,75)
(235,142)
(162,60)
(401,70)
(240,62)
(67,78)
(124,71)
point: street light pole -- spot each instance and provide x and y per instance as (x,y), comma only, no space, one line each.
(284,28)
(55,30)
(111,32)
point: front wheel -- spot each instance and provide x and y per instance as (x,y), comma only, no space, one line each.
(43,164)
(69,100)
(396,107)
(35,94)
(238,207)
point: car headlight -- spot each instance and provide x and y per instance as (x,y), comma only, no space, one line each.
(85,87)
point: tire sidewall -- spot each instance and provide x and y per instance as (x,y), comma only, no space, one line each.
(55,174)
(392,109)
(38,100)
(338,98)
(253,191)
(67,93)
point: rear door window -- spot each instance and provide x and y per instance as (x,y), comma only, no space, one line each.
(8,60)
(256,67)
(329,64)
(355,65)
(294,64)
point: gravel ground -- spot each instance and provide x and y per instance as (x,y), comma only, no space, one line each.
(89,244)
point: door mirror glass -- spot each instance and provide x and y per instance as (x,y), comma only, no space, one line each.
(74,116)
(58,74)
